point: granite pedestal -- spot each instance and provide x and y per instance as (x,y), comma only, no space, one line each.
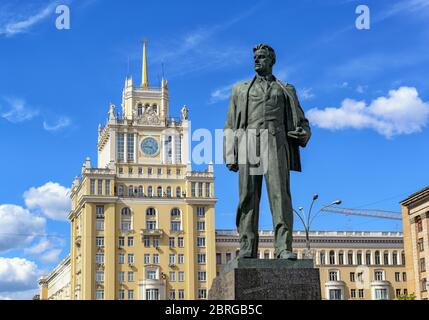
(267,279)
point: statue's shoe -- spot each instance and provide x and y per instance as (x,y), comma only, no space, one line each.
(288,255)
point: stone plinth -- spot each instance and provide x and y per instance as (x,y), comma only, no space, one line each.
(267,279)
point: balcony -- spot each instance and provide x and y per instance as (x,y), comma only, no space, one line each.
(151,232)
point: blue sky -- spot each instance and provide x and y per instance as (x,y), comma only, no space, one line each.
(366,93)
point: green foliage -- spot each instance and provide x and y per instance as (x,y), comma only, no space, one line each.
(411,296)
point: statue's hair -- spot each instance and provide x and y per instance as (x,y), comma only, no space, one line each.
(270,50)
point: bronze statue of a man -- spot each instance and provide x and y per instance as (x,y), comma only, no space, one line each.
(265,106)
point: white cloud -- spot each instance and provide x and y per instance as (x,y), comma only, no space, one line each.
(18,227)
(23,24)
(20,295)
(50,256)
(40,247)
(402,112)
(221,94)
(361,88)
(51,199)
(18,111)
(306,94)
(62,122)
(18,274)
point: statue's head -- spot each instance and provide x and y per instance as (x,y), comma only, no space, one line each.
(265,58)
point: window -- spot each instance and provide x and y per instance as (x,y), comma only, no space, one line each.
(395,257)
(172,259)
(151,212)
(193,189)
(155,258)
(201,211)
(99,276)
(172,294)
(169,193)
(403,258)
(99,241)
(140,170)
(420,244)
(202,293)
(266,254)
(99,294)
(146,258)
(181,258)
(422,265)
(181,276)
(200,189)
(350,257)
(146,241)
(361,293)
(130,189)
(149,171)
(322,257)
(130,241)
(341,257)
(159,192)
(181,294)
(150,192)
(130,258)
(175,213)
(171,242)
(381,294)
(333,275)
(100,187)
(360,276)
(180,242)
(126,219)
(218,258)
(368,257)
(201,241)
(201,258)
(121,294)
(172,276)
(151,225)
(121,276)
(377,258)
(130,276)
(379,275)
(398,293)
(359,258)
(419,224)
(120,146)
(202,276)
(353,293)
(352,277)
(130,294)
(201,225)
(178,171)
(228,257)
(120,191)
(335,294)
(99,224)
(207,189)
(107,187)
(121,258)
(332,257)
(178,192)
(151,274)
(99,258)
(175,226)
(139,109)
(99,211)
(397,276)
(178,142)
(424,284)
(92,187)
(130,147)
(141,191)
(156,242)
(386,258)
(121,242)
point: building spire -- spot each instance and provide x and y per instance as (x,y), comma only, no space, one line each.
(145,82)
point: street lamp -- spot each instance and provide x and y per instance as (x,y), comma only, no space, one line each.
(307,220)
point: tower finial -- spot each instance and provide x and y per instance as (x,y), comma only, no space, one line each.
(145,82)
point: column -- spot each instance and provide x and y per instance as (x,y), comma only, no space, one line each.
(110,252)
(125,147)
(173,148)
(88,253)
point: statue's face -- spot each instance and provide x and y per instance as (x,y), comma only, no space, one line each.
(263,61)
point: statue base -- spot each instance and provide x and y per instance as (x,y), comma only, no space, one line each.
(267,279)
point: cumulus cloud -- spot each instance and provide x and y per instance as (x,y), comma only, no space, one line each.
(221,94)
(18,274)
(51,199)
(50,256)
(306,94)
(401,112)
(18,111)
(18,227)
(61,123)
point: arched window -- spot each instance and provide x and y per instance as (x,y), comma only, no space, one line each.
(403,258)
(332,257)
(155,108)
(395,258)
(175,213)
(237,252)
(130,191)
(151,212)
(126,219)
(151,223)
(120,191)
(350,257)
(178,192)
(386,258)
(169,194)
(141,191)
(359,258)
(322,257)
(341,257)
(377,258)
(159,192)
(149,191)
(368,257)
(266,254)
(139,109)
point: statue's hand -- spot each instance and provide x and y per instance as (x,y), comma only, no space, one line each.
(299,134)
(232,167)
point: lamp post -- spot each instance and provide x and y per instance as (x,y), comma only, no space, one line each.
(307,220)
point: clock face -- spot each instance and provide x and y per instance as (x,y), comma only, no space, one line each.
(149,146)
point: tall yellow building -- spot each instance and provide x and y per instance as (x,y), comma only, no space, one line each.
(415,219)
(142,222)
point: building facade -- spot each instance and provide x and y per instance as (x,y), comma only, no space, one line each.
(56,286)
(415,219)
(142,222)
(352,264)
